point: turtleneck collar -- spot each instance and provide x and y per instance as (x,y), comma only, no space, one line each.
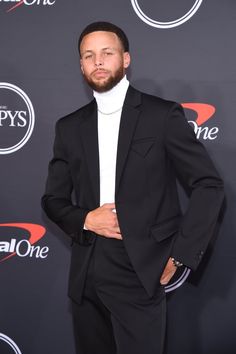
(113,99)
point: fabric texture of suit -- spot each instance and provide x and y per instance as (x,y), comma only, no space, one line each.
(155,145)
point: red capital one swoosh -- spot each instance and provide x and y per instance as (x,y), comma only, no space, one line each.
(15,6)
(204,111)
(36,233)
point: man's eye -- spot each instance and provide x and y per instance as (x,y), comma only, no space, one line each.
(108,53)
(88,56)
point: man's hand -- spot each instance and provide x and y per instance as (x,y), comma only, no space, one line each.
(168,272)
(103,221)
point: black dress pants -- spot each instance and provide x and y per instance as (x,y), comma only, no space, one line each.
(116,315)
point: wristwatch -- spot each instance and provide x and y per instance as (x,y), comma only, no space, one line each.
(176,263)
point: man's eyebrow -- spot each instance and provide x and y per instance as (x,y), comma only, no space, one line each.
(105,48)
(87,51)
(108,48)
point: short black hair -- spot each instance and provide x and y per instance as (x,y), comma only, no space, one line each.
(107,27)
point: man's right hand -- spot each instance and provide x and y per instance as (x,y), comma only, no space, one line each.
(103,221)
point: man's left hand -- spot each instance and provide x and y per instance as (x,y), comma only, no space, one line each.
(168,272)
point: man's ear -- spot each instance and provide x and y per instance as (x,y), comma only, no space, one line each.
(81,67)
(126,59)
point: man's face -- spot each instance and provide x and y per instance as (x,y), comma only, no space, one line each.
(103,60)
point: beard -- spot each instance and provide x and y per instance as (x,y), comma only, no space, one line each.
(106,84)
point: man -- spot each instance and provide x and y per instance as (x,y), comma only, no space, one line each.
(120,155)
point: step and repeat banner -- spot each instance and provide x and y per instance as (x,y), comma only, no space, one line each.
(181,50)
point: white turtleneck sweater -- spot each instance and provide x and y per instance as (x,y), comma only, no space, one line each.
(110,105)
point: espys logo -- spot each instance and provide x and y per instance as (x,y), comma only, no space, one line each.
(10,344)
(28,3)
(204,113)
(25,246)
(17,118)
(165,25)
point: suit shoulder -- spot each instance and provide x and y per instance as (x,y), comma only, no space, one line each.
(75,116)
(153,103)
(158,102)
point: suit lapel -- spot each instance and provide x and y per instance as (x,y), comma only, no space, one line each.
(129,119)
(89,137)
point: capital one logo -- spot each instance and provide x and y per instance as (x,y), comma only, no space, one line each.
(165,25)
(20,240)
(204,113)
(11,345)
(28,3)
(17,118)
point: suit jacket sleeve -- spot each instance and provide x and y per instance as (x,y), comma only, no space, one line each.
(199,176)
(57,200)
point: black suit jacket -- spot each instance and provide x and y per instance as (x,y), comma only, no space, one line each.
(155,145)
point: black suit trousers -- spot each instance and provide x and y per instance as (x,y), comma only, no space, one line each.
(116,315)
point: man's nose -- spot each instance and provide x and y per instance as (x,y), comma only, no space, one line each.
(98,60)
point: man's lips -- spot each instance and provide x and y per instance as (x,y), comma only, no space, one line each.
(100,74)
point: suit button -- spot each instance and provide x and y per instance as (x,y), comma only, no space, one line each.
(200,254)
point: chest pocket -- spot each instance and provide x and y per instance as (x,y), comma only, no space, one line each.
(143,145)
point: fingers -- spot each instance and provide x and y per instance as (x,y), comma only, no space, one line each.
(104,221)
(166,278)
(113,232)
(115,235)
(168,272)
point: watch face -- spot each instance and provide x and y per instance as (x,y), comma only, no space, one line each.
(178,279)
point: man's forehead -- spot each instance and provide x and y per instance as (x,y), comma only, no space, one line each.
(96,37)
